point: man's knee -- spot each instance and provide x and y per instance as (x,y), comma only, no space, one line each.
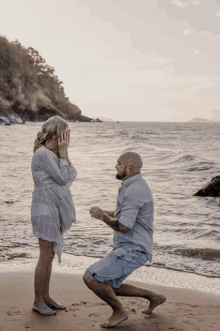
(117,290)
(88,278)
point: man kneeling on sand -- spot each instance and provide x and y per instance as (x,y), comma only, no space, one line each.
(132,223)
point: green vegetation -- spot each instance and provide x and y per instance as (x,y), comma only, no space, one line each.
(29,86)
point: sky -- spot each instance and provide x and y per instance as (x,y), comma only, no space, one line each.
(127,60)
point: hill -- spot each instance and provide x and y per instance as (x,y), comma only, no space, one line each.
(29,88)
(200,120)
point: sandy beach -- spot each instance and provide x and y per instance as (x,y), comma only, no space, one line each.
(185,308)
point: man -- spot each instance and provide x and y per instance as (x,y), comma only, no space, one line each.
(133,240)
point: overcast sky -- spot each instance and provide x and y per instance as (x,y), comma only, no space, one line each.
(133,60)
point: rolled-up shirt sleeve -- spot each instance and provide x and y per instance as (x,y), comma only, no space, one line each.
(132,203)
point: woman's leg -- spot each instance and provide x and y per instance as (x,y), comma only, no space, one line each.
(46,296)
(43,267)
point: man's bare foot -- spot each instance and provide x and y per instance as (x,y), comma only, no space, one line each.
(154,302)
(43,309)
(115,319)
(53,304)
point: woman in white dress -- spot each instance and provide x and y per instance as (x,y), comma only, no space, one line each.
(52,210)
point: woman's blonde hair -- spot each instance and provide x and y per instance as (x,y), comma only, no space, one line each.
(54,125)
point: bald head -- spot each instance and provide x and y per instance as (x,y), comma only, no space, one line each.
(134,159)
(128,165)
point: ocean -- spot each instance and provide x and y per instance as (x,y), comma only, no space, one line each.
(179,158)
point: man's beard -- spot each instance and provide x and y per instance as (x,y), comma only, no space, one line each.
(120,177)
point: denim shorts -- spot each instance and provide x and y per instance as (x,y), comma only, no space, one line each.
(116,266)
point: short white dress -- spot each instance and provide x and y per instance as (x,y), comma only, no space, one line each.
(52,209)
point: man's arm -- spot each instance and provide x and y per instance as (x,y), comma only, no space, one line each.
(115,224)
(109,213)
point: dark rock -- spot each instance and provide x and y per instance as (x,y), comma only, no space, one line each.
(211,189)
(98,120)
(4,121)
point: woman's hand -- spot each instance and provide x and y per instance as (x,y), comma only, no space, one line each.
(63,143)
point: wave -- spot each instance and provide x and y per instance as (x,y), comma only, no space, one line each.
(176,159)
(184,269)
(201,253)
(186,161)
(185,157)
(200,261)
(138,137)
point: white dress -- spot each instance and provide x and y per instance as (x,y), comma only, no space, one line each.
(52,209)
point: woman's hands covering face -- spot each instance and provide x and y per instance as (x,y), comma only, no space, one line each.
(64,140)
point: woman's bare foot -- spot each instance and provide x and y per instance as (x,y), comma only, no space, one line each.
(43,309)
(53,304)
(116,318)
(154,302)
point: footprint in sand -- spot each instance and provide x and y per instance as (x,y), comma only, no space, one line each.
(89,304)
(70,310)
(94,315)
(73,309)
(79,304)
(74,306)
(28,325)
(14,312)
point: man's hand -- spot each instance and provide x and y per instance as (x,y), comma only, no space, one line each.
(97,212)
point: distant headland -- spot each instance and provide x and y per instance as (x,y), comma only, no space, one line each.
(202,120)
(29,88)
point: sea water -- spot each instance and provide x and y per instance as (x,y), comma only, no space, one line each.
(178,159)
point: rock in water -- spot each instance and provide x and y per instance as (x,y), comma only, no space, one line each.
(212,189)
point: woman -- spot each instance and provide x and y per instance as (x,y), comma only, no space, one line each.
(52,210)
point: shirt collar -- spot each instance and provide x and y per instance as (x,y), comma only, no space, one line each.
(131,180)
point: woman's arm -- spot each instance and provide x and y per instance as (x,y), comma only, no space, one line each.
(57,169)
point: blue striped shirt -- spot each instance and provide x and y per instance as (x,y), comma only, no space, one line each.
(135,210)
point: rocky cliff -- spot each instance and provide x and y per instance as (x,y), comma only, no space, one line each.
(29,88)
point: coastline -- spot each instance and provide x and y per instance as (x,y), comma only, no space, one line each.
(22,257)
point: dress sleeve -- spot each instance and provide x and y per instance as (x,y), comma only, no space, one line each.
(72,174)
(56,168)
(131,205)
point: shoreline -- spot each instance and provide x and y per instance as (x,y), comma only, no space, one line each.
(16,257)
